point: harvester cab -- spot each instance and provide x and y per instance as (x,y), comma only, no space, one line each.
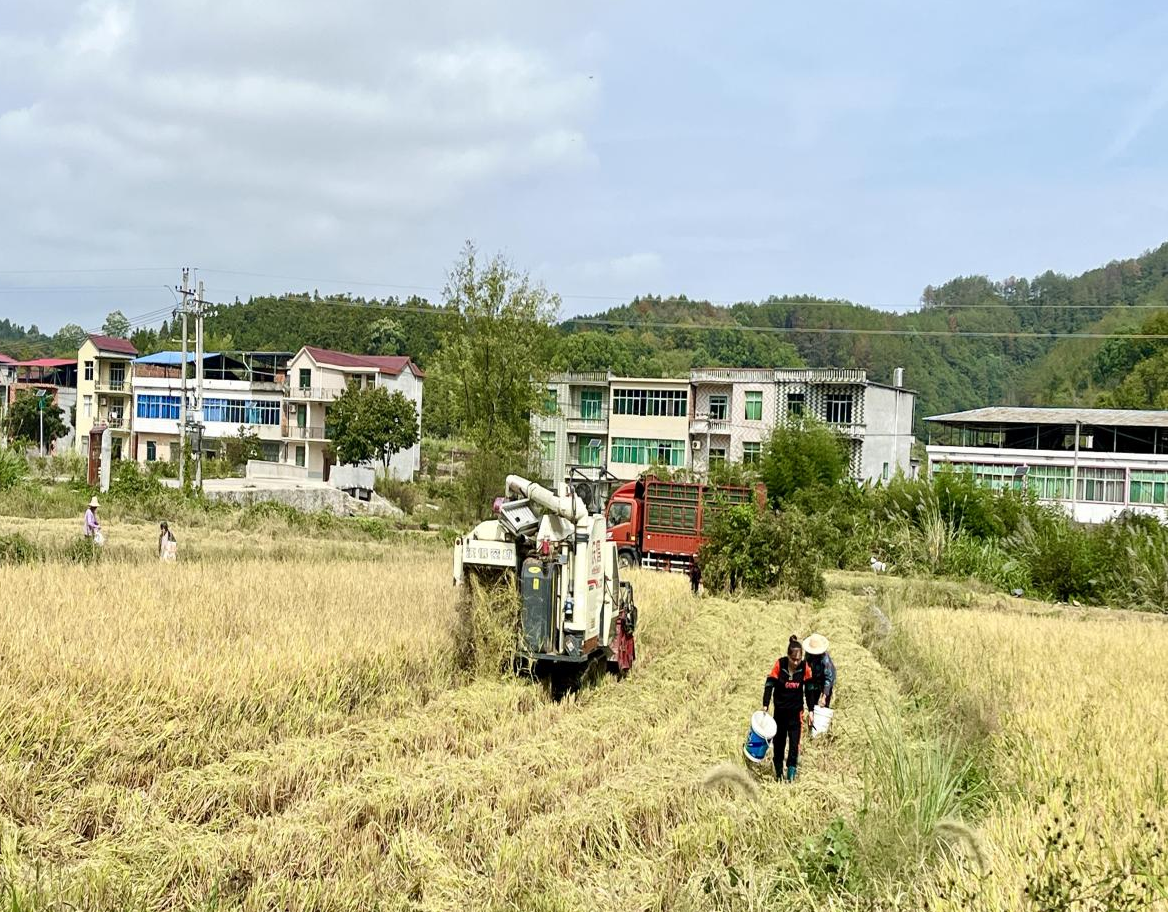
(574,611)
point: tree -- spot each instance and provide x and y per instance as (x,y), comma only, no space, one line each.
(69,337)
(116,325)
(802,456)
(494,363)
(245,445)
(370,424)
(23,419)
(385,337)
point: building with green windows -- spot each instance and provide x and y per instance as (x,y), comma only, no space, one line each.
(1094,463)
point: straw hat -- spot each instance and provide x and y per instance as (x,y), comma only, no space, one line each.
(815,645)
(93,502)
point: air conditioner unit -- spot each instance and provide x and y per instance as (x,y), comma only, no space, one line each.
(571,438)
(697,444)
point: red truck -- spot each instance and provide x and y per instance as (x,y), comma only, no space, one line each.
(659,523)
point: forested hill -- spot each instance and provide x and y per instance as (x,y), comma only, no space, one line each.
(1031,362)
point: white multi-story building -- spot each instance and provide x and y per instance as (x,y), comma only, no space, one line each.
(1094,463)
(317,376)
(597,421)
(244,390)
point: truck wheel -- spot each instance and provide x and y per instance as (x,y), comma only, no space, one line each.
(628,560)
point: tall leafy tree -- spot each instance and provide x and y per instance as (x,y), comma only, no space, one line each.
(23,419)
(802,456)
(116,325)
(69,337)
(493,364)
(367,424)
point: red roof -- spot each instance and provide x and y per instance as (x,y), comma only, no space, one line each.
(385,364)
(4,359)
(110,344)
(47,362)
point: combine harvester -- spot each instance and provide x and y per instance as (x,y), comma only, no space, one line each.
(575,614)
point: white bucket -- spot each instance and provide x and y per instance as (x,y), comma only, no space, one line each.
(820,721)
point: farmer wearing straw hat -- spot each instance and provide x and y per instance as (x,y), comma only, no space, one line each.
(786,681)
(92,526)
(822,683)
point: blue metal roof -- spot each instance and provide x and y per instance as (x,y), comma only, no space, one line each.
(172,358)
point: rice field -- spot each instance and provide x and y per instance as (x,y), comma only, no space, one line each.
(275,724)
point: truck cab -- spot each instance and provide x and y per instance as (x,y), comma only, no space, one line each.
(623,517)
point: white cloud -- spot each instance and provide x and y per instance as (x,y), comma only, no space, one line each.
(240,132)
(632,267)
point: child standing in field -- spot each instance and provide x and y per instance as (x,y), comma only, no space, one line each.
(786,682)
(167,545)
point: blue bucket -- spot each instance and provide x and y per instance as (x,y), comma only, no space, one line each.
(762,731)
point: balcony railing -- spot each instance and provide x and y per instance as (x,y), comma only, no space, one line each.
(320,393)
(112,386)
(592,416)
(305,433)
(117,422)
(705,424)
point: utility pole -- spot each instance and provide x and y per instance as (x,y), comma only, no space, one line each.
(199,383)
(183,415)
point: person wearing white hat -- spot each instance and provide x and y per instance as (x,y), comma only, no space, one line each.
(819,689)
(92,526)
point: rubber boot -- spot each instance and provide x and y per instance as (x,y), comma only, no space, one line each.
(791,770)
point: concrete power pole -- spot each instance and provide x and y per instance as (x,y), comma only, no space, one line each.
(183,414)
(199,383)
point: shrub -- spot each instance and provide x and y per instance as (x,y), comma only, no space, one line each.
(13,469)
(803,457)
(128,481)
(16,549)
(403,493)
(1060,559)
(762,551)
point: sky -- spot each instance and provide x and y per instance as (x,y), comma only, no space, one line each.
(725,151)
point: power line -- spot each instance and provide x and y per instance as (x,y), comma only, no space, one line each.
(86,271)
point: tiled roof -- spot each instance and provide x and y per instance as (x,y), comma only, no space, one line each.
(385,364)
(110,344)
(4,359)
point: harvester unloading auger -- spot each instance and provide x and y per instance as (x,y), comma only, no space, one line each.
(574,613)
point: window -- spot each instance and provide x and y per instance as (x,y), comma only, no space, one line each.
(547,444)
(719,405)
(270,451)
(1149,487)
(751,452)
(117,376)
(590,405)
(88,370)
(717,457)
(151,451)
(839,408)
(301,416)
(551,401)
(305,378)
(795,403)
(621,511)
(754,406)
(87,406)
(1050,482)
(656,403)
(242,411)
(589,453)
(1101,485)
(639,451)
(884,474)
(300,456)
(151,406)
(116,449)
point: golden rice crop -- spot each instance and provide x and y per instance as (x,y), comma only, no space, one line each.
(296,734)
(1073,706)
